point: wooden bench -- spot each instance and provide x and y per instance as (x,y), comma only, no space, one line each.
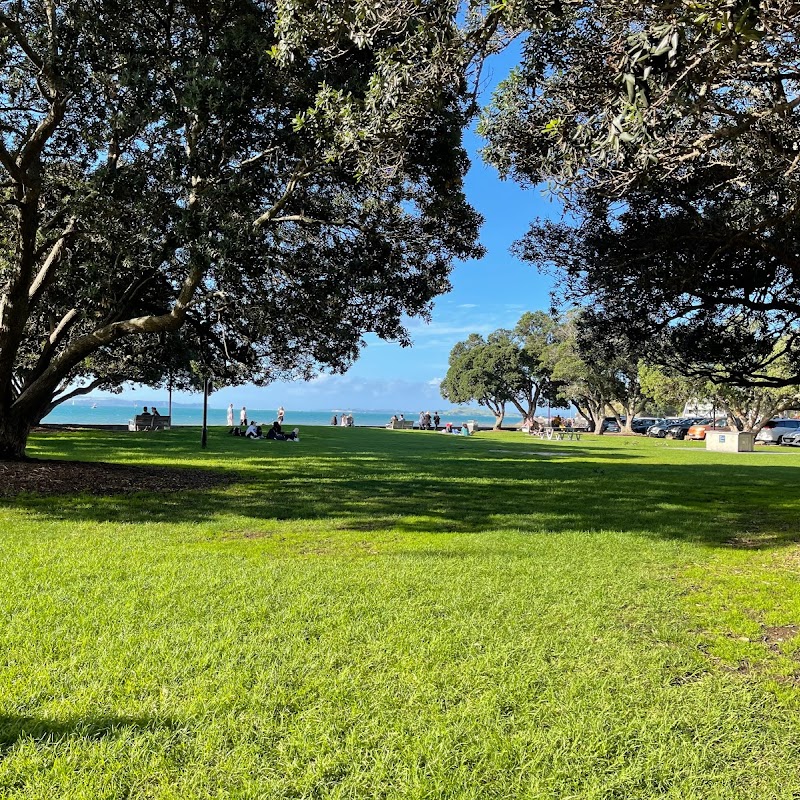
(401,425)
(147,422)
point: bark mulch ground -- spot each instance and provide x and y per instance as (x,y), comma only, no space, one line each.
(79,477)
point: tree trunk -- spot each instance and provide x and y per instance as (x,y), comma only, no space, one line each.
(498,420)
(13,439)
(598,411)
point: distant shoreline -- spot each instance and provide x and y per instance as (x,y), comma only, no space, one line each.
(90,426)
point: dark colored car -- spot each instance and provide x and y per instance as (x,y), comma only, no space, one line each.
(680,429)
(659,429)
(641,424)
(610,426)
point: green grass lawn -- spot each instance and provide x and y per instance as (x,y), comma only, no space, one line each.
(397,614)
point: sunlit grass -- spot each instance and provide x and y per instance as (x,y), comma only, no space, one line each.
(404,614)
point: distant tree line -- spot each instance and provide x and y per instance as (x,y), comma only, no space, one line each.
(574,361)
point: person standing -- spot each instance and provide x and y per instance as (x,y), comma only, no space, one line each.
(243,416)
(436,420)
(230,416)
(281,415)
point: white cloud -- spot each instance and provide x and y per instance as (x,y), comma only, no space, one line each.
(438,329)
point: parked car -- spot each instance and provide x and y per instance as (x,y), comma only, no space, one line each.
(698,430)
(792,439)
(641,424)
(610,425)
(774,430)
(659,428)
(681,428)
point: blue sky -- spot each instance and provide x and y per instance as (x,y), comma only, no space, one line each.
(486,295)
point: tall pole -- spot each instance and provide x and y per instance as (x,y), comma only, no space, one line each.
(170,394)
(204,436)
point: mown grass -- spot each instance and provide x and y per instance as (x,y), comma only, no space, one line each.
(387,614)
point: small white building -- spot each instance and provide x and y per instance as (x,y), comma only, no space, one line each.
(699,408)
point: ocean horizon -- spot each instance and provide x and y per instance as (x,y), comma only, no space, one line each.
(116,414)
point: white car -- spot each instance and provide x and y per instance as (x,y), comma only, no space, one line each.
(776,429)
(791,438)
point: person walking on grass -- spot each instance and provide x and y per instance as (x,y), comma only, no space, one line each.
(281,415)
(243,416)
(230,417)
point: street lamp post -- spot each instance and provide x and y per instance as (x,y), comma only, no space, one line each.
(206,390)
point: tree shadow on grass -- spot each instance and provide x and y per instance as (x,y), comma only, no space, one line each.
(420,484)
(14,729)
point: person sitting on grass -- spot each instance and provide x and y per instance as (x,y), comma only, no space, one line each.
(276,433)
(253,431)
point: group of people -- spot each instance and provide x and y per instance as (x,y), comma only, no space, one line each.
(275,432)
(463,430)
(243,416)
(252,430)
(428,422)
(345,421)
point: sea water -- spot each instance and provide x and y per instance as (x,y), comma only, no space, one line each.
(193,415)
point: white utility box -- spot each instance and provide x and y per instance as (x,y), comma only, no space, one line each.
(729,441)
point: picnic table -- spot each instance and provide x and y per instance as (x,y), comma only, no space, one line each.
(549,432)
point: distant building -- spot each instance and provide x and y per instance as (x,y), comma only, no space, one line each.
(699,408)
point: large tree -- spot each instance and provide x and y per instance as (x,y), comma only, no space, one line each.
(670,131)
(509,366)
(477,373)
(281,175)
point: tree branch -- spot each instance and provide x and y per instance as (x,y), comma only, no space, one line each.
(83,346)
(45,274)
(269,216)
(81,390)
(16,33)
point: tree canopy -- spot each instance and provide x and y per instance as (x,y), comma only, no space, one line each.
(279,176)
(670,132)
